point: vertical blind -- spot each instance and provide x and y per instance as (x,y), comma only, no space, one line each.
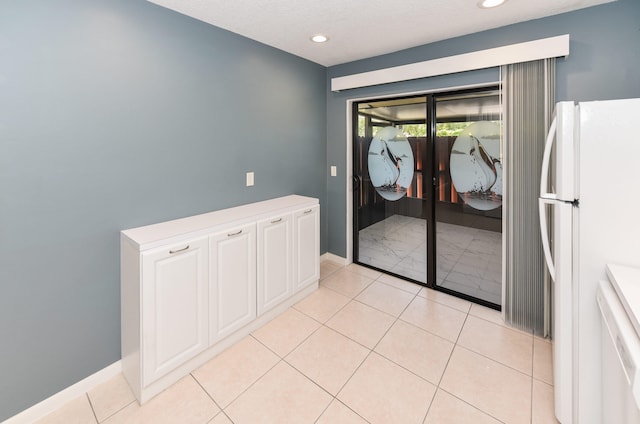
(528,91)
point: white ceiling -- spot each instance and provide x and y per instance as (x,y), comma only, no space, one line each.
(359,29)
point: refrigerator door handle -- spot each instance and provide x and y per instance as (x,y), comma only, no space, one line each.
(546,159)
(544,233)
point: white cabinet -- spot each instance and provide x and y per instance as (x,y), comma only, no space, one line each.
(233,280)
(275,261)
(174,305)
(306,247)
(194,286)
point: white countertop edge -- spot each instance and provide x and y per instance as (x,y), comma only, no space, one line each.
(626,282)
(177,230)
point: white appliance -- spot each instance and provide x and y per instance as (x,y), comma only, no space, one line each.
(619,302)
(590,188)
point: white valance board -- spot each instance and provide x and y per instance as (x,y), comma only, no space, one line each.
(514,53)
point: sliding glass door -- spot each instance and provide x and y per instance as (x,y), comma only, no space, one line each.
(391,190)
(468,192)
(428,191)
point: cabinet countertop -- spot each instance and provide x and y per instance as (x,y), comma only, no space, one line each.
(155,235)
(626,282)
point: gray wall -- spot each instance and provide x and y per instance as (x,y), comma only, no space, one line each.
(604,63)
(116,114)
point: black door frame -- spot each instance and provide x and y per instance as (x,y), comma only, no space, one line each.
(429,181)
(427,176)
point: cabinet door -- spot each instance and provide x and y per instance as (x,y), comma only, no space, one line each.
(174,306)
(275,261)
(306,247)
(233,280)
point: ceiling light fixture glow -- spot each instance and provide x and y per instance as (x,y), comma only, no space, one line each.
(319,38)
(487,4)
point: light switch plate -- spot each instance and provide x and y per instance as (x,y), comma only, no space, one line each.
(250,179)
(334,170)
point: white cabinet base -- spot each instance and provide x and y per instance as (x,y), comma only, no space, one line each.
(169,379)
(188,286)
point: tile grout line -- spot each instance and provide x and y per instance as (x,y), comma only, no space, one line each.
(471,405)
(93,410)
(455,344)
(495,360)
(310,380)
(283,359)
(395,363)
(349,379)
(433,398)
(333,397)
(371,350)
(296,346)
(208,394)
(251,385)
(445,370)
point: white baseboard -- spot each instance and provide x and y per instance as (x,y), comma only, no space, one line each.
(61,398)
(334,258)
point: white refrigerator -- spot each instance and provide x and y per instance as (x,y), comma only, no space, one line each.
(590,197)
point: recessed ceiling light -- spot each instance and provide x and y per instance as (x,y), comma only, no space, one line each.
(319,38)
(486,4)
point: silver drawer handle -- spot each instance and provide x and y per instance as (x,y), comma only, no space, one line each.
(234,234)
(275,221)
(307,211)
(179,250)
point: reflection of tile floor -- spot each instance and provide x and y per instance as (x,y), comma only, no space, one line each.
(468,260)
(364,348)
(397,244)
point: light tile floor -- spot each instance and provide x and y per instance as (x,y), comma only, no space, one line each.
(468,260)
(363,348)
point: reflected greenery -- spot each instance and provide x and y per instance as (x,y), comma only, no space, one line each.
(443,129)
(446,129)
